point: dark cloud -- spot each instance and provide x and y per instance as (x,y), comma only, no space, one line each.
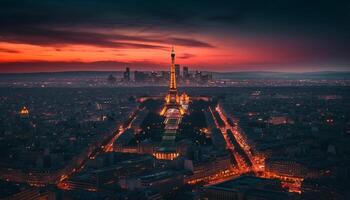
(315,17)
(186,56)
(45,37)
(180,13)
(56,38)
(5,50)
(189,42)
(54,22)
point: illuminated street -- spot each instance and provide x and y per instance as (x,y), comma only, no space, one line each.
(106,146)
(256,164)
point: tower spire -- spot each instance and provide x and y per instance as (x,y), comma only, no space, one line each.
(172,71)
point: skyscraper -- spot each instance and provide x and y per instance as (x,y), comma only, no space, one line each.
(177,71)
(127,74)
(185,72)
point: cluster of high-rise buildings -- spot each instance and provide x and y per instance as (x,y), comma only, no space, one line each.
(185,77)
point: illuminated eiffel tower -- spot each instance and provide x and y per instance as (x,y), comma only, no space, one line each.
(173,98)
(173,111)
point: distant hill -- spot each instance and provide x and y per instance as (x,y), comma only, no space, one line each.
(327,75)
(59,75)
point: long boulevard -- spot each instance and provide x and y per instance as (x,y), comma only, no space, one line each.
(106,146)
(246,161)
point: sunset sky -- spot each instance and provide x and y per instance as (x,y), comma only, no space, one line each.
(232,35)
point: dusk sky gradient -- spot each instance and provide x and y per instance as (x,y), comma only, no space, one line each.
(232,35)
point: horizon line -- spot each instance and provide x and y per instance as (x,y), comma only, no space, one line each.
(212,71)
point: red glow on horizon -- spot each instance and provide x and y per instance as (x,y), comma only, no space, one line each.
(239,54)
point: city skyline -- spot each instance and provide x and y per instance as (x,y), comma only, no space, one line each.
(190,100)
(289,36)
